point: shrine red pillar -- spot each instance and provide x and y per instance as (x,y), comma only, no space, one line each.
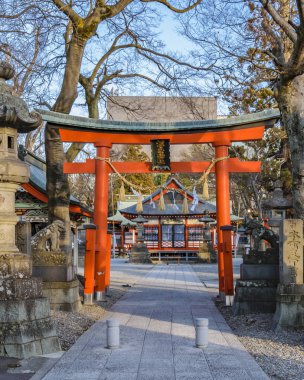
(186,233)
(89,263)
(159,233)
(100,217)
(108,262)
(222,207)
(228,264)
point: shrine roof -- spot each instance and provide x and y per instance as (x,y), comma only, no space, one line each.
(173,192)
(66,121)
(37,178)
(119,218)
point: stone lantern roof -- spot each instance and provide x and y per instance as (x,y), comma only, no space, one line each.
(14,112)
(276,201)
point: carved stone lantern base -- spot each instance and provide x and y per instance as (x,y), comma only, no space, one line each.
(140,254)
(59,283)
(290,306)
(63,295)
(26,328)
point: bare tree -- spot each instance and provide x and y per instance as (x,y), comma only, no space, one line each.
(135,56)
(75,26)
(29,39)
(259,43)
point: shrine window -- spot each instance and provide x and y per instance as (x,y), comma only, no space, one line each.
(151,233)
(195,233)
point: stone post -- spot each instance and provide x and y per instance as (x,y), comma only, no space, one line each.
(290,291)
(25,324)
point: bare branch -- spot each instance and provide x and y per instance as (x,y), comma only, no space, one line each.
(279,20)
(145,78)
(106,55)
(68,11)
(277,55)
(31,65)
(46,104)
(172,8)
(300,6)
(118,7)
(175,60)
(17,15)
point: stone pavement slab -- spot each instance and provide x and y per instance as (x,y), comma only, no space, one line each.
(158,336)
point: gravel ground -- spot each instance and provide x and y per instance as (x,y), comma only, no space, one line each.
(70,326)
(279,353)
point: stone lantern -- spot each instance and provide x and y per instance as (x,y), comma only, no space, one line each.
(206,251)
(26,328)
(206,219)
(139,252)
(276,207)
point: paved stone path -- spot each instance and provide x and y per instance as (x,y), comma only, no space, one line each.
(158,336)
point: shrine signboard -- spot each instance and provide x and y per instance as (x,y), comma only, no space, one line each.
(160,154)
(291,251)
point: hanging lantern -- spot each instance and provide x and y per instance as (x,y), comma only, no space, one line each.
(162,205)
(185,208)
(122,193)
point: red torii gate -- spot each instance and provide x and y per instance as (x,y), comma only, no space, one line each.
(220,133)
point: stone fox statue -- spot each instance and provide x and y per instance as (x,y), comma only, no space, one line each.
(50,234)
(260,232)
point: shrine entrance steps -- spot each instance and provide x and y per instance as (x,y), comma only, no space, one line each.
(158,335)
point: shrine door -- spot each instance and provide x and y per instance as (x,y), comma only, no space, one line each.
(173,236)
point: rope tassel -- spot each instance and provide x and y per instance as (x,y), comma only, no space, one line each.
(185,209)
(122,193)
(162,205)
(205,188)
(204,177)
(139,206)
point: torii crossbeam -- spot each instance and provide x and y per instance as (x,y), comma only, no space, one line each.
(220,133)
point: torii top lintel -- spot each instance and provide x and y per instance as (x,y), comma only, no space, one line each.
(219,131)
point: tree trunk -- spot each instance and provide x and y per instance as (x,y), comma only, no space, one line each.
(76,148)
(57,182)
(290,95)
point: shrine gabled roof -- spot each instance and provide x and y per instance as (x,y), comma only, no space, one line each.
(267,117)
(173,192)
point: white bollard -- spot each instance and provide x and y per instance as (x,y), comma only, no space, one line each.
(112,333)
(201,332)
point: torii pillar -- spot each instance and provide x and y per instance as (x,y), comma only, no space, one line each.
(223,219)
(101,215)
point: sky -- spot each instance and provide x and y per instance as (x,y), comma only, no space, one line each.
(175,42)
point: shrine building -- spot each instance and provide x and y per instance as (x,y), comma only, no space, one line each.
(172,228)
